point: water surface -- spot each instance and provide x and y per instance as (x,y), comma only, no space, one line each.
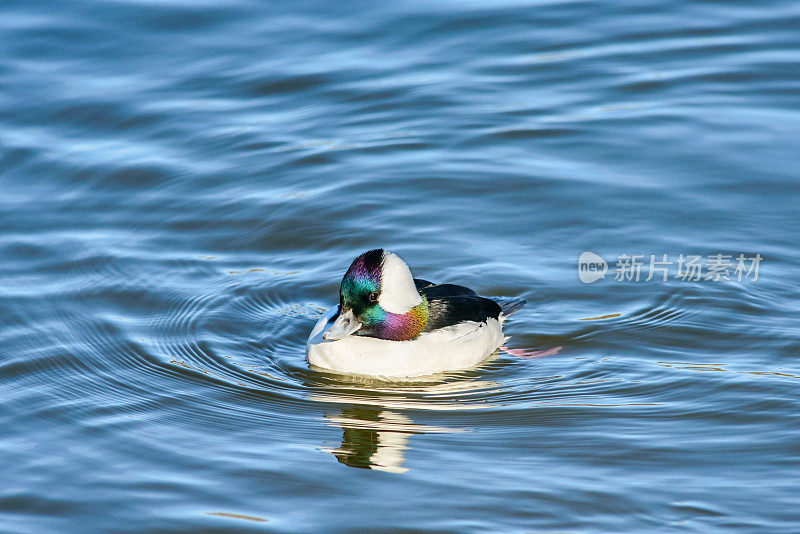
(183,184)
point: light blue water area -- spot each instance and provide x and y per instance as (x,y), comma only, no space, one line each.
(183,184)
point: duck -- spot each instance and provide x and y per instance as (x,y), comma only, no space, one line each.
(391,325)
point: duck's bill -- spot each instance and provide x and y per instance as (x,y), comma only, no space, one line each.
(343,326)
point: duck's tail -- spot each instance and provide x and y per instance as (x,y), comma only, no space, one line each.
(510,305)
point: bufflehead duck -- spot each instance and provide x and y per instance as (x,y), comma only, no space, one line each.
(390,325)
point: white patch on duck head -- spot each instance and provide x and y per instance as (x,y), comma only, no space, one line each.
(398,292)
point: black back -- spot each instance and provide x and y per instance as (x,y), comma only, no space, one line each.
(431,290)
(450,304)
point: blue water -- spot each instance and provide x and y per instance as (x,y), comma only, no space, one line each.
(183,184)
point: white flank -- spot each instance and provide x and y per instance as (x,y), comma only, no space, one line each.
(456,347)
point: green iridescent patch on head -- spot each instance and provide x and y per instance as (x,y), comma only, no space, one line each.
(354,290)
(361,279)
(373,315)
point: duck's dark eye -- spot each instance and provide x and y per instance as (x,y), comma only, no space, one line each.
(373,297)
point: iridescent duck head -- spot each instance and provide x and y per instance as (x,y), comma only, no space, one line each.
(378,298)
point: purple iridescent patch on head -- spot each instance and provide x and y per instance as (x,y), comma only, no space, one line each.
(362,278)
(366,266)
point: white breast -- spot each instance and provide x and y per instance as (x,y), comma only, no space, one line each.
(455,347)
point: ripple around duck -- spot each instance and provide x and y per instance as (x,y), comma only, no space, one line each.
(163,362)
(226,345)
(247,341)
(198,335)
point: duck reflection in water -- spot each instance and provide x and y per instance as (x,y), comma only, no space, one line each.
(373,438)
(376,417)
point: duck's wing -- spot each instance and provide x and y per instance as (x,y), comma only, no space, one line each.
(431,290)
(451,304)
(421,284)
(509,305)
(451,310)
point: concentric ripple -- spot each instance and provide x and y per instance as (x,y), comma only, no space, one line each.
(184,182)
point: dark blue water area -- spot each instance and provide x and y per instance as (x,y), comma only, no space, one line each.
(183,184)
